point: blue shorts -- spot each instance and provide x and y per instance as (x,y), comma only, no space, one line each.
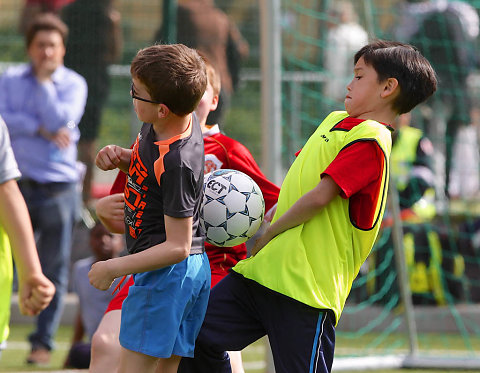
(164,309)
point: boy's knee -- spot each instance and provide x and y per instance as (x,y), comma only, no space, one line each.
(104,343)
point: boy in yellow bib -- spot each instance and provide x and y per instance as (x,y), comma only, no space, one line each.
(329,211)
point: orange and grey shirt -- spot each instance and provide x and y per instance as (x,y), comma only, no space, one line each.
(164,178)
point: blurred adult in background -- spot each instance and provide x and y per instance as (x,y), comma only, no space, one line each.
(445,32)
(345,37)
(42,103)
(31,8)
(94,42)
(203,26)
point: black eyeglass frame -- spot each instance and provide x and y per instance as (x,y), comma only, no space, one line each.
(132,93)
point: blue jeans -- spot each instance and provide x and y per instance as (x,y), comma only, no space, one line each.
(52,209)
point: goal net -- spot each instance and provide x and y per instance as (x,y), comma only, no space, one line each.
(415,301)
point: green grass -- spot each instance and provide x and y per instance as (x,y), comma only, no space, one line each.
(443,343)
(405,371)
(13,358)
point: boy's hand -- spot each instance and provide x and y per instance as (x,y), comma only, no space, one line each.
(35,294)
(261,242)
(110,211)
(270,214)
(111,207)
(61,138)
(100,275)
(109,157)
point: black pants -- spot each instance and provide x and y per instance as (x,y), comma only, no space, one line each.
(240,311)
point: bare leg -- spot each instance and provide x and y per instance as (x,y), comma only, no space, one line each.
(134,362)
(169,365)
(105,344)
(236,361)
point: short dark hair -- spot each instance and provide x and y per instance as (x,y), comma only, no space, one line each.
(45,22)
(391,59)
(173,74)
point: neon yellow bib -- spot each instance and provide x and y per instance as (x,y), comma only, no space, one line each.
(316,262)
(6,278)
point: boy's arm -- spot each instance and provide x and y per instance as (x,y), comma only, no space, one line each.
(35,290)
(113,156)
(110,211)
(19,122)
(301,211)
(175,249)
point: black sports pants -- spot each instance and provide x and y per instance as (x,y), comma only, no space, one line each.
(240,311)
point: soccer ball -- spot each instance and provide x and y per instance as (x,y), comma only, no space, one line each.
(232,208)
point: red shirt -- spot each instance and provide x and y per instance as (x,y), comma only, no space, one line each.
(357,169)
(224,152)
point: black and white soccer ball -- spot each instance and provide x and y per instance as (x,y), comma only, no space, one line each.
(232,209)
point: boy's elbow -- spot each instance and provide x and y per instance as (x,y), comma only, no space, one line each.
(318,201)
(182,252)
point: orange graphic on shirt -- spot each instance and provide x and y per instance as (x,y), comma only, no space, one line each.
(135,192)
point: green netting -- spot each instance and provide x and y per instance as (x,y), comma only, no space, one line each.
(441,252)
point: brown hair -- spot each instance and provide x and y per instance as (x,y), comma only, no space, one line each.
(173,74)
(213,77)
(45,22)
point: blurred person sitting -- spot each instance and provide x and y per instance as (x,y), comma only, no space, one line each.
(92,302)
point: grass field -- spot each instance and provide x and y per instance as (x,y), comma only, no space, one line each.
(13,358)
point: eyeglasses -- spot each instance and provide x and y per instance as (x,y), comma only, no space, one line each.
(133,94)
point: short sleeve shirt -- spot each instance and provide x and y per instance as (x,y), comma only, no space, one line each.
(357,170)
(8,165)
(164,178)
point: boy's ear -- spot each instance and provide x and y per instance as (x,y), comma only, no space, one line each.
(163,111)
(391,85)
(214,104)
